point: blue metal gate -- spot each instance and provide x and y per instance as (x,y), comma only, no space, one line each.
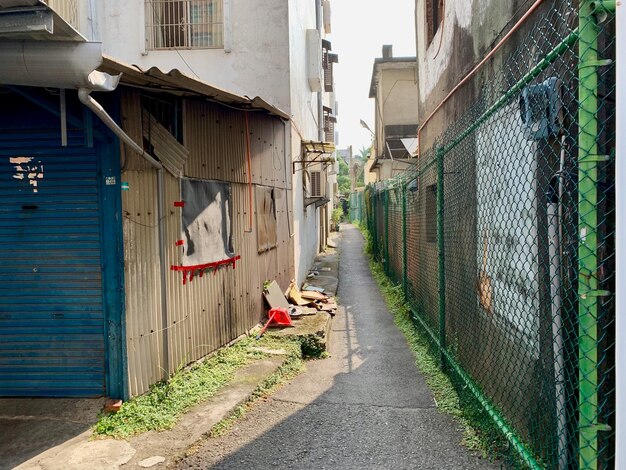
(52,332)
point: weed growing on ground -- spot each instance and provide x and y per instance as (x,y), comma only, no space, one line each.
(160,408)
(298,349)
(451,396)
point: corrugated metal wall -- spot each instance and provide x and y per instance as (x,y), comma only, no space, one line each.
(208,312)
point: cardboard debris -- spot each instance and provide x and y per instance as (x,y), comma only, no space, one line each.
(308,310)
(295,296)
(274,297)
(313,295)
(331,244)
(308,287)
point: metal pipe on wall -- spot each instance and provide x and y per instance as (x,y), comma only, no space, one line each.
(163,269)
(554,213)
(320,101)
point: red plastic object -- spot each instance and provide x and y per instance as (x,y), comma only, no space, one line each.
(280,317)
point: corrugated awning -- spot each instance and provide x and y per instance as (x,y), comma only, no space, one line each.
(177,82)
(318,147)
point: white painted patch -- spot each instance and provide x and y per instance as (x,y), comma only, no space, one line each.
(25,170)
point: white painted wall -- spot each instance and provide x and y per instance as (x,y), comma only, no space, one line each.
(507,245)
(258,61)
(396,99)
(305,126)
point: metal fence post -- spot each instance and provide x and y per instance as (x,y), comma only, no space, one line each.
(588,293)
(386,216)
(404,248)
(441,256)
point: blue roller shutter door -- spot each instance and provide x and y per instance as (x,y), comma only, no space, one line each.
(51,296)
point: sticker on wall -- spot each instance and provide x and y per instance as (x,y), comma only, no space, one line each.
(125,186)
(27,171)
(110,180)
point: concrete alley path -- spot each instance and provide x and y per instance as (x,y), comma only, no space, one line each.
(367,406)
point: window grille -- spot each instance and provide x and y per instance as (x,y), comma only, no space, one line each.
(327,65)
(184,24)
(68,10)
(329,125)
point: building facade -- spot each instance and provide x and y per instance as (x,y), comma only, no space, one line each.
(394,91)
(158,203)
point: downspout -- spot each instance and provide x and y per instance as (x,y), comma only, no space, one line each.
(320,102)
(285,143)
(85,98)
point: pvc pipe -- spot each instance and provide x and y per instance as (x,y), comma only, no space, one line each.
(98,110)
(620,242)
(554,256)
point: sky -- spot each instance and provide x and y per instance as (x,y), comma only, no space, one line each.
(359,30)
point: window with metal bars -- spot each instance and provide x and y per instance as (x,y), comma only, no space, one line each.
(329,125)
(328,59)
(434,16)
(184,24)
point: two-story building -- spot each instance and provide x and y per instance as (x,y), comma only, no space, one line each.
(394,90)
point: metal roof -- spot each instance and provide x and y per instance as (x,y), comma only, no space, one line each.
(177,82)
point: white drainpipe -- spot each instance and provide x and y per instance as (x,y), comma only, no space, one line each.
(85,98)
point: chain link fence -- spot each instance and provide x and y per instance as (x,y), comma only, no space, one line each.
(503,240)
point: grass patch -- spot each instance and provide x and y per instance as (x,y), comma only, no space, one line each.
(480,434)
(160,408)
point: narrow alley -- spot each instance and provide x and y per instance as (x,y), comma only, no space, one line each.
(366,406)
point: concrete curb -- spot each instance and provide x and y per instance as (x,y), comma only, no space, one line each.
(157,449)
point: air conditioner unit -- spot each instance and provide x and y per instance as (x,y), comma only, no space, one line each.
(314,59)
(315,189)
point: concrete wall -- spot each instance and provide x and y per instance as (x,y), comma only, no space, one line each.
(396,98)
(254,62)
(467,33)
(495,184)
(305,126)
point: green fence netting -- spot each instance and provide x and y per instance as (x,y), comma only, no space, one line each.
(357,207)
(503,239)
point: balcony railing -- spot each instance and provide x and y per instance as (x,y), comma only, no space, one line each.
(68,10)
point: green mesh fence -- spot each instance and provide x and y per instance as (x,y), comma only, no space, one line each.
(503,238)
(357,207)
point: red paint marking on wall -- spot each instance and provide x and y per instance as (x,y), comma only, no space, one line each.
(180,242)
(179,203)
(190,271)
